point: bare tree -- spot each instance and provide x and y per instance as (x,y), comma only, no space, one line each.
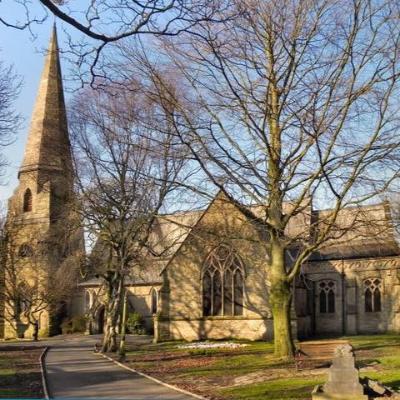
(128,163)
(10,120)
(107,22)
(291,102)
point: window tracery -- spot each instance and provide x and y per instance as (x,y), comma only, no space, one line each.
(327,290)
(372,295)
(223,283)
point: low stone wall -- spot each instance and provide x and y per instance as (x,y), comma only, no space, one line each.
(215,328)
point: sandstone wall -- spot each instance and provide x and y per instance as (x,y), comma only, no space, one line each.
(350,315)
(181,295)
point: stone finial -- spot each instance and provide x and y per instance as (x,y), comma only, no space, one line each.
(344,350)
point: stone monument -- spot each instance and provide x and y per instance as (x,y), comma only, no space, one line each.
(343,378)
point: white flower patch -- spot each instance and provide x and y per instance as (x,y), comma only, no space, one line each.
(216,345)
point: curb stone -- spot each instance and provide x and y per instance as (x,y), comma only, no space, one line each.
(196,396)
(43,371)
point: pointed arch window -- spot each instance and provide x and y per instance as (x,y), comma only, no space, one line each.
(87,301)
(22,297)
(372,295)
(27,206)
(223,283)
(327,291)
(154,301)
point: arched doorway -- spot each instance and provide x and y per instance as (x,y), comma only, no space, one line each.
(100,319)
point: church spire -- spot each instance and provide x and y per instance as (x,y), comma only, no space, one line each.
(48,146)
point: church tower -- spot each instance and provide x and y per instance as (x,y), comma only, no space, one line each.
(43,242)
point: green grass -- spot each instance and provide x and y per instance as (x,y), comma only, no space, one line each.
(4,372)
(20,375)
(156,348)
(374,342)
(382,351)
(294,388)
(204,370)
(7,377)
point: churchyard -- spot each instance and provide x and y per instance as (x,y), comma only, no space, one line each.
(251,372)
(224,370)
(20,375)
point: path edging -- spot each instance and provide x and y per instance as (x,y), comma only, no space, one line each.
(43,371)
(196,396)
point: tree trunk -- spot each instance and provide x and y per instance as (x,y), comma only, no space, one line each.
(280,292)
(280,298)
(110,336)
(113,310)
(123,328)
(280,301)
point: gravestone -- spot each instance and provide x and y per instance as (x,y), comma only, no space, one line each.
(343,378)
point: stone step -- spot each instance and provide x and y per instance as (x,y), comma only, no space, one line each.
(319,350)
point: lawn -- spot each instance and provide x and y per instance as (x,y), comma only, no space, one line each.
(20,375)
(251,372)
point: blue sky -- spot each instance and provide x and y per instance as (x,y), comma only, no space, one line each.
(26,53)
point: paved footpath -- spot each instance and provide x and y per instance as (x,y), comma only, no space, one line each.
(74,371)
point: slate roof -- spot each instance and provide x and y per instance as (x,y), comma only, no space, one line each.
(168,233)
(361,232)
(368,232)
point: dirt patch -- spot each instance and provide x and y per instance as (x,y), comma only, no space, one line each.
(173,368)
(177,369)
(275,373)
(20,373)
(166,363)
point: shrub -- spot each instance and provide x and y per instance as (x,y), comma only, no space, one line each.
(74,325)
(44,332)
(134,324)
(79,324)
(66,327)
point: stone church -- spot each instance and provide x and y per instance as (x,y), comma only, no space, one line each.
(213,282)
(42,234)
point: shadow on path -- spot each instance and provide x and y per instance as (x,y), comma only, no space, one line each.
(74,371)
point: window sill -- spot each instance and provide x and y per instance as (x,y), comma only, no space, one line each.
(223,317)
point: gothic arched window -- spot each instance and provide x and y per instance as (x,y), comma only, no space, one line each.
(87,301)
(154,301)
(22,297)
(223,281)
(27,200)
(327,296)
(372,295)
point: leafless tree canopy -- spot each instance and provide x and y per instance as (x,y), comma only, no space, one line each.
(108,21)
(10,120)
(290,102)
(281,104)
(127,161)
(129,164)
(297,99)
